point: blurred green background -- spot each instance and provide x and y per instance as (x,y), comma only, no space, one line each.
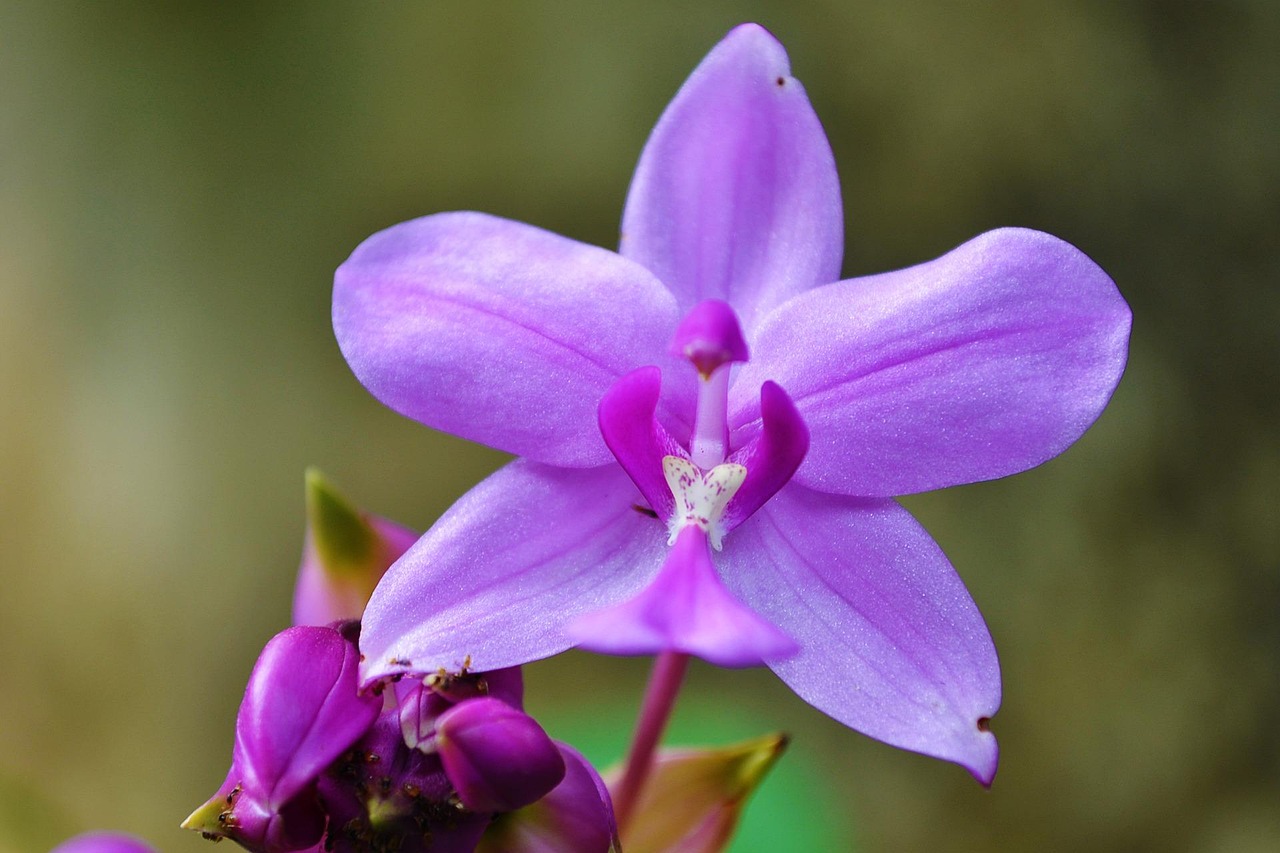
(179,180)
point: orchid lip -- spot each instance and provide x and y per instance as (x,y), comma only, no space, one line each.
(686,608)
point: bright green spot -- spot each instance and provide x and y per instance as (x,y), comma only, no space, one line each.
(205,818)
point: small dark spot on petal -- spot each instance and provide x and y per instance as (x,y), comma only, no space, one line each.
(644,510)
(781,81)
(984,724)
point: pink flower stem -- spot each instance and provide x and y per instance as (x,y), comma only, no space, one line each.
(659,699)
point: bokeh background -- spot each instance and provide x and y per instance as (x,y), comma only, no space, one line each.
(178,181)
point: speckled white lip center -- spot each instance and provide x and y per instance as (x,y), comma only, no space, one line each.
(701,496)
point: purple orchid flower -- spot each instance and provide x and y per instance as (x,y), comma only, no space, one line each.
(669,500)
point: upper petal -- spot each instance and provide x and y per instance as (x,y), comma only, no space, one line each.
(501,573)
(982,363)
(736,195)
(497,331)
(892,643)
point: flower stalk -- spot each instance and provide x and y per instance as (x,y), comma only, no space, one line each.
(659,701)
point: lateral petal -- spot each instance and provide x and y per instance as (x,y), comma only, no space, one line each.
(985,362)
(635,436)
(497,331)
(736,195)
(891,642)
(497,578)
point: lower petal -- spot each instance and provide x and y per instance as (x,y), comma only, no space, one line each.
(892,643)
(494,582)
(686,609)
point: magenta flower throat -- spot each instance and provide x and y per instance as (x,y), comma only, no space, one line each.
(712,425)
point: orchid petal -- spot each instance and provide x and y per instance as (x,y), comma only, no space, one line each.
(736,195)
(892,643)
(636,438)
(985,362)
(300,712)
(493,583)
(686,609)
(496,331)
(771,457)
(243,814)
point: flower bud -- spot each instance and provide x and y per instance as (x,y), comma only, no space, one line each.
(345,554)
(498,758)
(577,815)
(300,712)
(694,797)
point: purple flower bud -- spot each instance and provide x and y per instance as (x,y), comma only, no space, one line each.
(301,711)
(498,758)
(577,815)
(384,795)
(104,842)
(421,702)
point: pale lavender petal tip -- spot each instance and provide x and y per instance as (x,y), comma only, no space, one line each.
(736,195)
(892,643)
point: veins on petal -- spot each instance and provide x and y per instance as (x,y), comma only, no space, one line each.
(881,606)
